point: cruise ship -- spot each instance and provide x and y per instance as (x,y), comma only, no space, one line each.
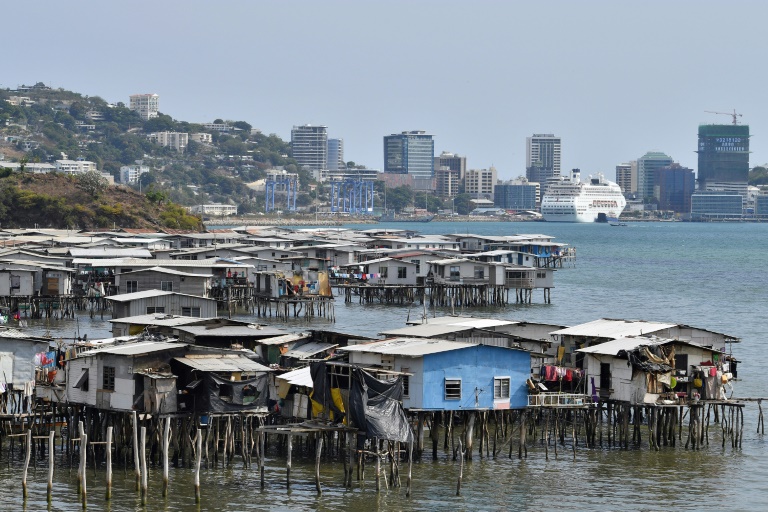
(571,200)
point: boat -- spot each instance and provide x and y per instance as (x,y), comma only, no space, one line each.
(573,200)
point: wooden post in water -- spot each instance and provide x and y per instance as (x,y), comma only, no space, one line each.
(136,460)
(26,463)
(83,451)
(410,469)
(199,445)
(143,456)
(166,445)
(50,465)
(317,463)
(109,463)
(288,461)
(461,469)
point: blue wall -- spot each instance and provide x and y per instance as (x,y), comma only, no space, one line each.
(476,367)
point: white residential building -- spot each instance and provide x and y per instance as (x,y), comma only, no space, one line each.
(146,105)
(74,166)
(204,138)
(336,154)
(176,140)
(132,173)
(214,209)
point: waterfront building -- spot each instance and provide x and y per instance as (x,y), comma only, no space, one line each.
(716,205)
(480,182)
(451,161)
(146,105)
(446,375)
(411,153)
(542,157)
(646,167)
(309,146)
(336,155)
(175,140)
(217,209)
(723,154)
(519,194)
(132,173)
(626,177)
(158,301)
(761,206)
(674,186)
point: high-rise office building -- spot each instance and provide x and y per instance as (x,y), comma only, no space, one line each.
(542,157)
(626,177)
(723,154)
(519,194)
(336,154)
(410,153)
(674,185)
(449,173)
(480,183)
(146,105)
(646,168)
(309,146)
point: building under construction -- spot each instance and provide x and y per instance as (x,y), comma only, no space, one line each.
(723,155)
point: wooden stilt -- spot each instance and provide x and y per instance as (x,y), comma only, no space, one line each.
(26,463)
(136,461)
(109,462)
(198,458)
(143,456)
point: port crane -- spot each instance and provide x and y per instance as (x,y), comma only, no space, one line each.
(732,114)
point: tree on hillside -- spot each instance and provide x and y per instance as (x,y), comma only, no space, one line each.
(92,182)
(242,125)
(758,176)
(161,123)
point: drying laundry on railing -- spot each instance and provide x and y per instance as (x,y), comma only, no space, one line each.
(555,373)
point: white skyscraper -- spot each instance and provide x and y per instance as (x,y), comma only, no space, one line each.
(146,105)
(309,146)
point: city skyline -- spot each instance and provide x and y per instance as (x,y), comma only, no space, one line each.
(501,91)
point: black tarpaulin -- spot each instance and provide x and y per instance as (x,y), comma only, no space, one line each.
(321,389)
(376,409)
(222,395)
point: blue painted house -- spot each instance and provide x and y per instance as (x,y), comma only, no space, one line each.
(451,375)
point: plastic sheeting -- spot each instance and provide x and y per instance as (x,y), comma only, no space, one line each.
(226,396)
(321,392)
(376,409)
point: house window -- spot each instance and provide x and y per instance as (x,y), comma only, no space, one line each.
(108,382)
(479,273)
(455,273)
(402,272)
(418,265)
(131,286)
(190,312)
(166,286)
(453,389)
(383,271)
(406,383)
(500,388)
(155,309)
(541,275)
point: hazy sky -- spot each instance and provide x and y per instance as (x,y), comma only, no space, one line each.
(614,79)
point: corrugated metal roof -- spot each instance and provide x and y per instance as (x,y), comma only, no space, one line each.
(138,262)
(109,252)
(168,271)
(309,350)
(300,377)
(159,319)
(222,363)
(286,338)
(433,329)
(134,349)
(614,329)
(125,297)
(230,330)
(408,346)
(613,347)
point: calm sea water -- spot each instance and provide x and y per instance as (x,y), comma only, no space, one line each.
(707,275)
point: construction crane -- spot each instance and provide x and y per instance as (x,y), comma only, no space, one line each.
(732,114)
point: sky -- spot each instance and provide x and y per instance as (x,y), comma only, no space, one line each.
(613,79)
